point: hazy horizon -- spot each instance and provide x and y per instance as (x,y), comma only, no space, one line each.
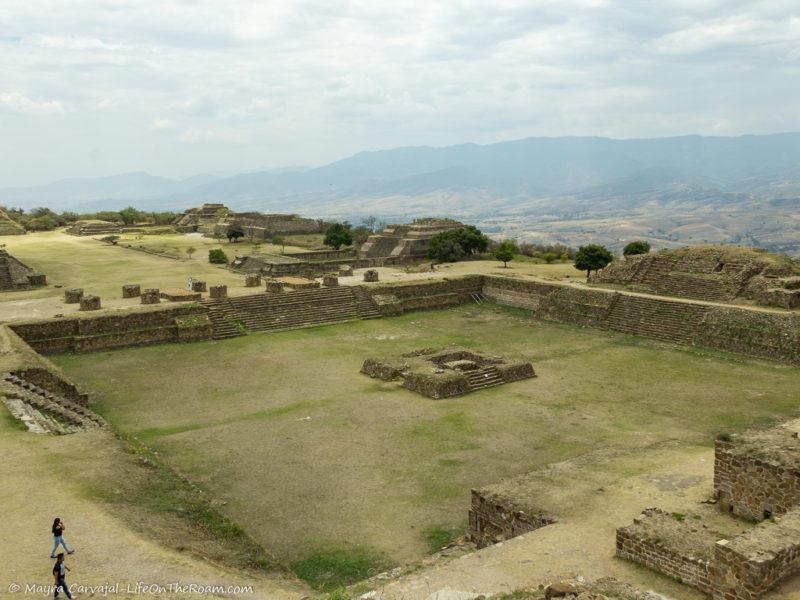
(185,88)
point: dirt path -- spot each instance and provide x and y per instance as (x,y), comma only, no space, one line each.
(108,551)
(583,542)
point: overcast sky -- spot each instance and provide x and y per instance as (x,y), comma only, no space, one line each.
(182,87)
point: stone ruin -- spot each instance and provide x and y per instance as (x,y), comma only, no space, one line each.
(199,286)
(330,280)
(445,372)
(756,478)
(131,290)
(371,275)
(345,271)
(73,295)
(9,226)
(180,294)
(273,286)
(93,227)
(714,273)
(215,219)
(218,291)
(90,303)
(151,296)
(16,275)
(411,240)
(297,283)
(252,280)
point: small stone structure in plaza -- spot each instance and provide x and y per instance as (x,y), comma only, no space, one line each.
(330,280)
(252,280)
(450,371)
(756,478)
(345,271)
(90,302)
(131,290)
(151,296)
(274,286)
(371,275)
(199,286)
(73,295)
(181,295)
(218,291)
(298,283)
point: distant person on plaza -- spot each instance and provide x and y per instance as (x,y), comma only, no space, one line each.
(190,284)
(58,537)
(60,576)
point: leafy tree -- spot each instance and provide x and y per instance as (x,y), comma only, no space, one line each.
(361,233)
(105,215)
(129,215)
(338,235)
(190,250)
(469,240)
(506,251)
(217,256)
(163,218)
(549,257)
(636,247)
(234,232)
(592,257)
(42,223)
(279,240)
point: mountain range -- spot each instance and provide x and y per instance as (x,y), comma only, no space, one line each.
(677,190)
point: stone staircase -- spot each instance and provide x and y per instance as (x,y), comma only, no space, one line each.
(483,378)
(6,282)
(289,310)
(50,412)
(223,318)
(654,317)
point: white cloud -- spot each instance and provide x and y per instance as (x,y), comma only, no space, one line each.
(14,102)
(183,86)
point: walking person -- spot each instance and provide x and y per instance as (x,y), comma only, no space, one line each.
(60,576)
(58,537)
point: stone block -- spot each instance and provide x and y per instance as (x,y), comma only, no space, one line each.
(370,275)
(37,279)
(199,286)
(218,291)
(73,296)
(90,303)
(252,280)
(345,271)
(131,290)
(330,280)
(151,296)
(274,286)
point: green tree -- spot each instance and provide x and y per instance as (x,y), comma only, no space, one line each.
(455,244)
(190,250)
(129,215)
(549,257)
(636,247)
(217,256)
(505,252)
(592,257)
(234,232)
(338,235)
(279,240)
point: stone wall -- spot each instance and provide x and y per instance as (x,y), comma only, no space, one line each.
(751,564)
(680,549)
(495,517)
(114,329)
(396,298)
(757,474)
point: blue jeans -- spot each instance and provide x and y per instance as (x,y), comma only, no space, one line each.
(59,539)
(62,584)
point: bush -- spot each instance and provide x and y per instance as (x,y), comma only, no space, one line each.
(217,256)
(637,247)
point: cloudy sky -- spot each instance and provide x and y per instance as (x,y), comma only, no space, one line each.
(180,87)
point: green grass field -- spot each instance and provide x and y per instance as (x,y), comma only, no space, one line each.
(318,462)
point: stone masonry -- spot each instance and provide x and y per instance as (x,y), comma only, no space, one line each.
(131,290)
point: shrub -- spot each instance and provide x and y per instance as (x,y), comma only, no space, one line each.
(637,247)
(217,256)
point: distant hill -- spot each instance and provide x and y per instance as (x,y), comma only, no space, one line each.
(670,190)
